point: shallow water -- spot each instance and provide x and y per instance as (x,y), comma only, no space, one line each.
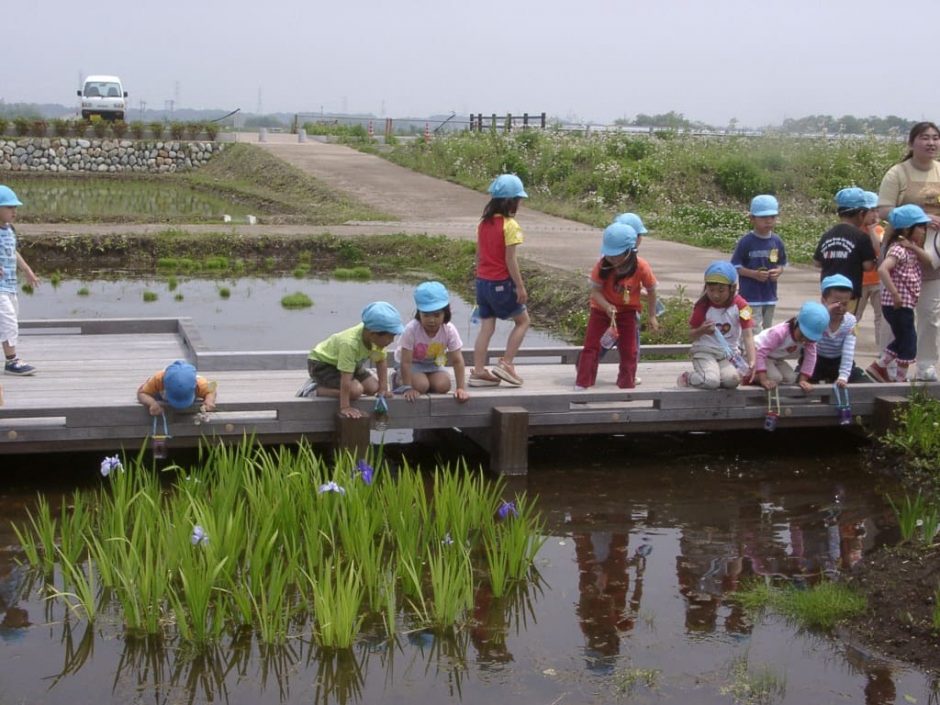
(151,201)
(710,511)
(252,318)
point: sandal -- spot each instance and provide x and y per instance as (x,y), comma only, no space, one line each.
(486,379)
(506,372)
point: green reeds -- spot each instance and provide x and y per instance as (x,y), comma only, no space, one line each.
(908,513)
(281,542)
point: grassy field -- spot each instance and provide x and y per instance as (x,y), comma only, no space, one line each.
(690,189)
(241,180)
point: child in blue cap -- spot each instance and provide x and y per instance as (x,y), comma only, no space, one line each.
(10,261)
(430,341)
(178,386)
(720,326)
(760,258)
(901,277)
(337,364)
(835,350)
(846,248)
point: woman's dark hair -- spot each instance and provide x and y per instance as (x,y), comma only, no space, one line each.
(625,269)
(916,131)
(446,311)
(505,207)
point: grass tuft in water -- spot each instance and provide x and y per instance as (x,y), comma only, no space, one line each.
(84,291)
(296,300)
(171,283)
(761,685)
(150,296)
(225,292)
(357,273)
(820,606)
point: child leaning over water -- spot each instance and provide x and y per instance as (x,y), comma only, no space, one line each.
(429,342)
(788,340)
(835,350)
(337,365)
(616,283)
(178,386)
(720,311)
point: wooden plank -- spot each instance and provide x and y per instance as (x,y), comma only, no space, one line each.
(509,453)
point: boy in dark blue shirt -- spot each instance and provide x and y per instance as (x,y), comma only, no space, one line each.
(760,258)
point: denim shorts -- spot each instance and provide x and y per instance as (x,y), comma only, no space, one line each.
(327,375)
(497,299)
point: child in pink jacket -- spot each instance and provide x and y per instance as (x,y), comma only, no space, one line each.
(785,341)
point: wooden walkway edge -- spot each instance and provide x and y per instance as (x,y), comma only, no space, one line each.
(83,397)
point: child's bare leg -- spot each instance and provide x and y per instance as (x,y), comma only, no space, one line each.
(438,382)
(368,386)
(355,390)
(419,382)
(482,345)
(516,335)
(9,350)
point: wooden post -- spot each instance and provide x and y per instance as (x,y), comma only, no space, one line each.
(480,122)
(493,123)
(509,434)
(883,411)
(525,121)
(508,122)
(543,121)
(352,435)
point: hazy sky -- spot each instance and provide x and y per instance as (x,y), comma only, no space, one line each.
(598,60)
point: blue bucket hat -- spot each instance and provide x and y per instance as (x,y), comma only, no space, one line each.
(507,186)
(852,199)
(907,216)
(179,385)
(871,200)
(721,272)
(8,197)
(812,320)
(618,238)
(835,281)
(764,205)
(431,296)
(633,220)
(382,317)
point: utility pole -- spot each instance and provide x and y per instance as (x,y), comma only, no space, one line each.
(143,107)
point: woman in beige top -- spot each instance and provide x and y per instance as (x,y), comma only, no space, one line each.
(917,180)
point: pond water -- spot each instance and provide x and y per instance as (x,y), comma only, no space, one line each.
(149,200)
(648,539)
(252,317)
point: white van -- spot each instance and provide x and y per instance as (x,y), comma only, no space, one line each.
(104,96)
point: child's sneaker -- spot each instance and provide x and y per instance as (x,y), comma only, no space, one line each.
(506,372)
(486,379)
(683,380)
(308,389)
(878,372)
(16,367)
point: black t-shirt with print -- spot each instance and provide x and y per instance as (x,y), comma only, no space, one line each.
(842,250)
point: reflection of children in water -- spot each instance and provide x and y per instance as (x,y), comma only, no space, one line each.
(603,584)
(490,626)
(14,618)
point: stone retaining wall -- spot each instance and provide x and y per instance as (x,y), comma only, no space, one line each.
(79,154)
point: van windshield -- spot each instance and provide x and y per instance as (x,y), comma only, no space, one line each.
(103,89)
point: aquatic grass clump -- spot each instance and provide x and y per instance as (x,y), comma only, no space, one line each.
(150,296)
(357,273)
(296,300)
(225,292)
(821,606)
(83,291)
(279,542)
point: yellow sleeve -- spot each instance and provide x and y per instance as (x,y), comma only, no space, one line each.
(512,233)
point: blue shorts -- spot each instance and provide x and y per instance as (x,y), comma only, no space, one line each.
(497,299)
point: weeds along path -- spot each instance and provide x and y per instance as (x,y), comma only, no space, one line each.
(435,207)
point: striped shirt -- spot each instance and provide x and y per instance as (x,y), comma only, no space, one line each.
(906,275)
(840,344)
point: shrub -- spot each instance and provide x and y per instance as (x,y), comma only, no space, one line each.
(193,129)
(3,126)
(137,130)
(119,128)
(212,130)
(22,126)
(38,128)
(61,127)
(80,127)
(100,128)
(156,129)
(177,130)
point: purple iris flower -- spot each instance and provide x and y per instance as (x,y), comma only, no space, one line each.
(199,536)
(507,509)
(365,471)
(109,465)
(331,487)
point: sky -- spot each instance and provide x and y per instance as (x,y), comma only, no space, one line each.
(753,61)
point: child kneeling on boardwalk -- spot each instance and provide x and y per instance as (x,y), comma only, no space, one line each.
(337,364)
(720,323)
(788,340)
(616,282)
(429,342)
(835,349)
(178,386)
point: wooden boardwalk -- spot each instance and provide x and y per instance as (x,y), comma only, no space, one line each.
(83,397)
